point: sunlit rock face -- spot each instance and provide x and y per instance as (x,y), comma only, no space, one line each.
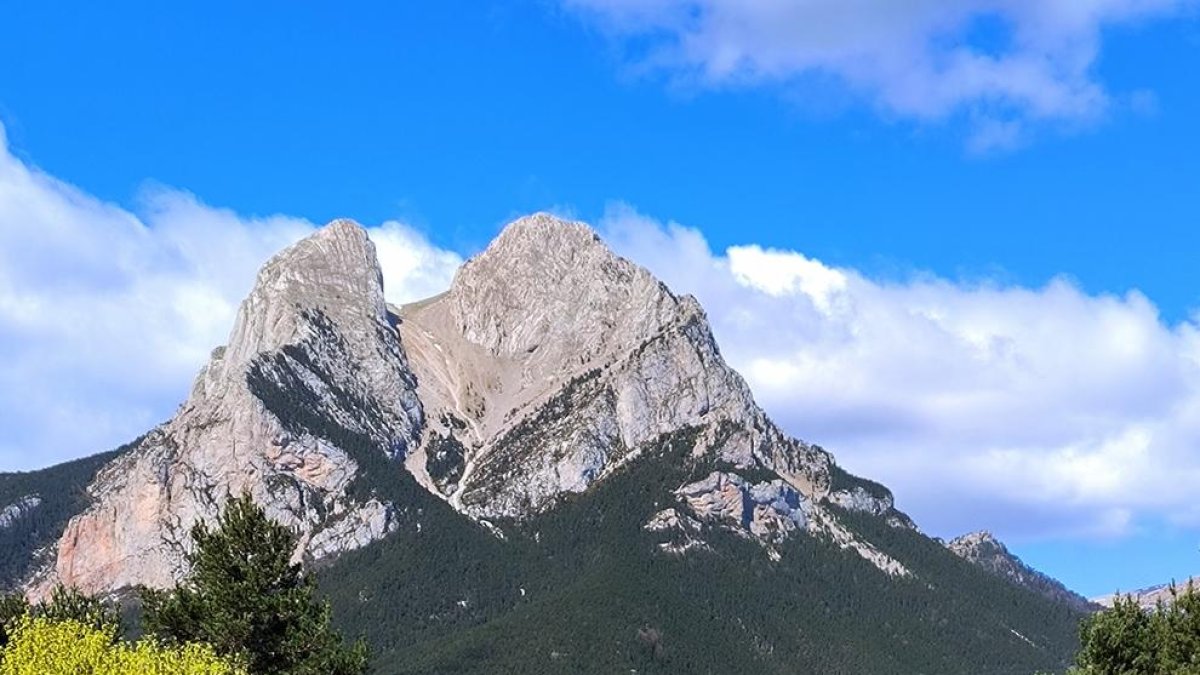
(316,322)
(10,514)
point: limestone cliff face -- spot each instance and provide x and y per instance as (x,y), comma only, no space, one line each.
(983,549)
(315,317)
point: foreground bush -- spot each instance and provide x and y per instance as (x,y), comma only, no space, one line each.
(1128,640)
(42,646)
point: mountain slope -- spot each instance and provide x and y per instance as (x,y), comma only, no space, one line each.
(583,588)
(984,550)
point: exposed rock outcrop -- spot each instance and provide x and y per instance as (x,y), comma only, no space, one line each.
(771,511)
(14,512)
(983,549)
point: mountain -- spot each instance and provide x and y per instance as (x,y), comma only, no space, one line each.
(1149,597)
(983,549)
(547,468)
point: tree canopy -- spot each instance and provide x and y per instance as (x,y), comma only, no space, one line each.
(1129,640)
(247,599)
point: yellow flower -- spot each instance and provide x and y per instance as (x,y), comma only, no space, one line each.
(38,646)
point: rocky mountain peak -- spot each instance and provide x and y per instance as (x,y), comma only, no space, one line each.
(313,357)
(973,542)
(547,228)
(552,286)
(552,362)
(334,270)
(983,549)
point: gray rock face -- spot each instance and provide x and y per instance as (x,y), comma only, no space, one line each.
(771,511)
(9,515)
(858,499)
(315,327)
(984,550)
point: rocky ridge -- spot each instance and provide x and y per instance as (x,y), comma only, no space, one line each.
(983,549)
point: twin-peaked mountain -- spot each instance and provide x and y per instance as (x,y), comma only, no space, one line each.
(547,468)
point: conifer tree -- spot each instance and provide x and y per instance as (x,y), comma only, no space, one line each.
(247,599)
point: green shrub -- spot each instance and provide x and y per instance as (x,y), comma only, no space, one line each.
(1129,640)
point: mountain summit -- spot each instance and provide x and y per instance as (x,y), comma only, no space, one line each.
(551,454)
(315,323)
(984,549)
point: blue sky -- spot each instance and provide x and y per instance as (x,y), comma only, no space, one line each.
(964,156)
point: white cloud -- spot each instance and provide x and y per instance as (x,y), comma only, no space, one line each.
(107,314)
(1006,62)
(413,268)
(1034,412)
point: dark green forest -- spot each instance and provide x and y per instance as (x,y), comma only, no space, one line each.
(584,588)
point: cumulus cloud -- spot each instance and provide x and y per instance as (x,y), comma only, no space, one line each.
(1005,62)
(106,314)
(1033,411)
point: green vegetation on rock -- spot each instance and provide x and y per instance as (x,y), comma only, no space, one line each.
(584,588)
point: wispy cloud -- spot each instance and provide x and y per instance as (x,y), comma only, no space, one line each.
(1003,64)
(107,314)
(1033,411)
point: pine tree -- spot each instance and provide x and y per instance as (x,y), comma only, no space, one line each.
(247,599)
(1118,640)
